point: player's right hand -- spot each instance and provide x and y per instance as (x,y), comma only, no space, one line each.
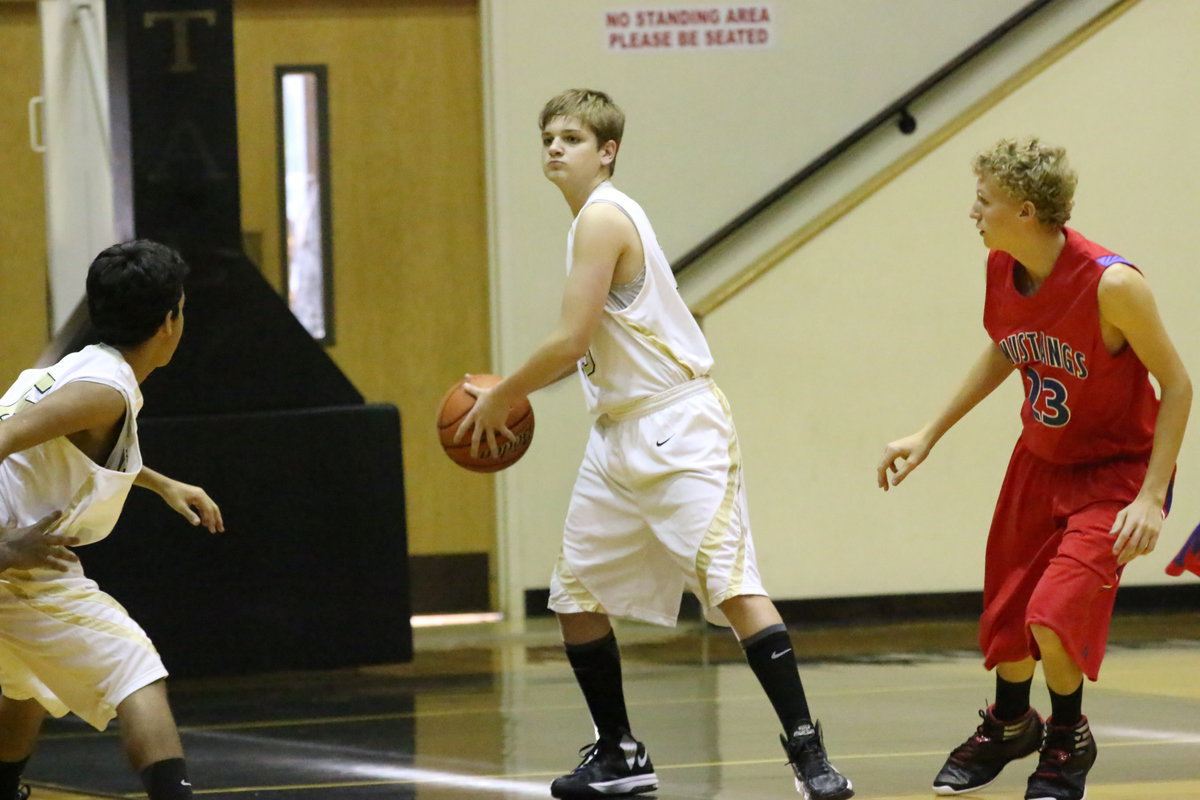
(486,418)
(901,457)
(31,547)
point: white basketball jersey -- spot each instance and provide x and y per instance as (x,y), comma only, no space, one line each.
(649,346)
(56,475)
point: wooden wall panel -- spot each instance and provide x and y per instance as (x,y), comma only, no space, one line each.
(408,204)
(22,203)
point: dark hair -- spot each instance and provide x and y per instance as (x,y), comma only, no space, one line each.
(131,287)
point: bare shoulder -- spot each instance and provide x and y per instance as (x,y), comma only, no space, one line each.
(1125,298)
(605,219)
(1121,278)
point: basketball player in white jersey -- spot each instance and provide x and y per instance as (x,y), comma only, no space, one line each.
(659,504)
(69,444)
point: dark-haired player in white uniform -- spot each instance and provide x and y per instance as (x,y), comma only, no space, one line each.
(69,444)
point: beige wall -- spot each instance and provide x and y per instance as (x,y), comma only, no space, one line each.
(858,337)
(410,262)
(22,203)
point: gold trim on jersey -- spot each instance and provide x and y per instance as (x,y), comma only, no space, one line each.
(738,575)
(644,406)
(657,343)
(40,600)
(42,385)
(575,588)
(718,529)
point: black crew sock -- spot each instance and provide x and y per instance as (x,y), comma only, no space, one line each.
(597,666)
(167,780)
(10,776)
(770,655)
(1012,699)
(1066,709)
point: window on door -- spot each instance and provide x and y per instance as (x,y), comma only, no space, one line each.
(303,131)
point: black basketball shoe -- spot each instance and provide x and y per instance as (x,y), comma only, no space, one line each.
(23,792)
(1067,755)
(608,768)
(816,778)
(977,761)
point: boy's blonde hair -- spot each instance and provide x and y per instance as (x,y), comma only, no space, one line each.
(594,109)
(1028,169)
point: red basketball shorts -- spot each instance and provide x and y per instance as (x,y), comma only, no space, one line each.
(1049,557)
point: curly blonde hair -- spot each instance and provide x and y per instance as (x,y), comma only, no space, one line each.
(1029,169)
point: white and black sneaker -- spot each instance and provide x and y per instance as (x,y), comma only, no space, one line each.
(816,778)
(609,768)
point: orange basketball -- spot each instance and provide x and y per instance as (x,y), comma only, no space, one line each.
(454,407)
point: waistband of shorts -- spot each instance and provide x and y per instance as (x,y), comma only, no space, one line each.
(656,402)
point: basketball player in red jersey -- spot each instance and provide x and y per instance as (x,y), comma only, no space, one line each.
(1089,481)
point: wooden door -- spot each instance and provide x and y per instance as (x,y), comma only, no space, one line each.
(409,255)
(23,288)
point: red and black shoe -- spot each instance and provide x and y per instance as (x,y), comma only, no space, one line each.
(1068,754)
(979,760)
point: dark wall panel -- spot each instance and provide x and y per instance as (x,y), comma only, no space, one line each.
(311,572)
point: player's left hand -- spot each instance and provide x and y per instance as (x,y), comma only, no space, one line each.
(194,504)
(488,416)
(1136,527)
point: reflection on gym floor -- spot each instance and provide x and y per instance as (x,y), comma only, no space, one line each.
(488,712)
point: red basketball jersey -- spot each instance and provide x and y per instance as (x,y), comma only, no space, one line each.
(1081,404)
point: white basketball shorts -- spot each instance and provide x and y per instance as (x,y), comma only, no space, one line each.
(659,506)
(71,647)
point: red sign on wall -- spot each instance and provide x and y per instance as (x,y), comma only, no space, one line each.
(725,27)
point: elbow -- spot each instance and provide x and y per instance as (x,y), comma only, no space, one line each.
(1179,390)
(575,347)
(1185,390)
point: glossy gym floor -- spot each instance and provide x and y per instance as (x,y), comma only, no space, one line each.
(489,712)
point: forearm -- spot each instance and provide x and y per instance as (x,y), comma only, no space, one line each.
(553,360)
(10,439)
(1172,420)
(149,479)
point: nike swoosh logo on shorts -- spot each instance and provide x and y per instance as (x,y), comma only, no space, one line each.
(664,441)
(780,654)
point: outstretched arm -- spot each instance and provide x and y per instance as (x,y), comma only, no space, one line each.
(31,546)
(602,234)
(1127,304)
(191,501)
(988,372)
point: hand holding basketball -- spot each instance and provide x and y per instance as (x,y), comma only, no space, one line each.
(478,433)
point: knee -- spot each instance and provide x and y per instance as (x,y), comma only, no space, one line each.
(1045,638)
(585,627)
(20,723)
